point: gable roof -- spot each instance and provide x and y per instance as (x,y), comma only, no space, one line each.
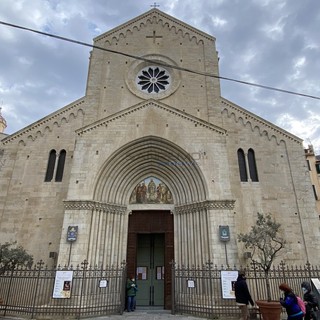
(264,126)
(31,130)
(157,16)
(151,104)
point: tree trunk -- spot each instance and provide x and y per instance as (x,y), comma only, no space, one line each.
(268,285)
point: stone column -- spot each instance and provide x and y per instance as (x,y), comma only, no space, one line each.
(102,233)
(191,235)
(192,231)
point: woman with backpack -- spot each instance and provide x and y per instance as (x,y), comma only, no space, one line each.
(310,301)
(290,302)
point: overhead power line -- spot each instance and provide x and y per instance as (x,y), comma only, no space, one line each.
(159,63)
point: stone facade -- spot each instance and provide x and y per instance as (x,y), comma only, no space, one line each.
(181,131)
(314,171)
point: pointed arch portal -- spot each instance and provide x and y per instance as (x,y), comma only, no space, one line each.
(150,156)
(153,162)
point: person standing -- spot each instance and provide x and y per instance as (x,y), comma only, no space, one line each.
(242,294)
(132,289)
(290,302)
(310,301)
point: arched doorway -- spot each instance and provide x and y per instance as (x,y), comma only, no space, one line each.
(150,251)
(137,161)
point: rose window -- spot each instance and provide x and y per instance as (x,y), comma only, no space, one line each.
(153,79)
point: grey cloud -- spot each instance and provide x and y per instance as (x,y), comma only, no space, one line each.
(55,66)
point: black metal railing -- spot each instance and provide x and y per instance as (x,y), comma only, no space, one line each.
(97,291)
(93,291)
(198,290)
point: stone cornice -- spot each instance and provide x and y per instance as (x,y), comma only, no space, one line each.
(38,127)
(208,205)
(94,205)
(155,15)
(151,104)
(265,127)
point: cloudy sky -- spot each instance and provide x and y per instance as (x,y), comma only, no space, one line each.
(275,43)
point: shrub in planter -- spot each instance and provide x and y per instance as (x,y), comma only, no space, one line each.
(265,243)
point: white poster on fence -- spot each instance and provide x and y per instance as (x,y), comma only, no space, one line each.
(228,279)
(62,284)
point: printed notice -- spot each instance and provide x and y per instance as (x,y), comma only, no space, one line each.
(191,284)
(103,283)
(62,285)
(142,273)
(228,279)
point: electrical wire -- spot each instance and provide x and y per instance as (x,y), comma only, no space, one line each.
(158,62)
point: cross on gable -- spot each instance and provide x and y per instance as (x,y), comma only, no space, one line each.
(155,5)
(154,37)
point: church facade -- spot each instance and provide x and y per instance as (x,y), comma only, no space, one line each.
(153,164)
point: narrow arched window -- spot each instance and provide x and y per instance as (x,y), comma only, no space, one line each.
(51,165)
(242,166)
(61,161)
(252,166)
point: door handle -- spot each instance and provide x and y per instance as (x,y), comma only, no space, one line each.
(151,303)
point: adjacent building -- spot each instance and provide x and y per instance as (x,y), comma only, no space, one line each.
(313,162)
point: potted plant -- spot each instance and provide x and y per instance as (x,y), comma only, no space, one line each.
(265,244)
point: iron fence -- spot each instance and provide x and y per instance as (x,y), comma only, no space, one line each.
(93,291)
(199,291)
(101,291)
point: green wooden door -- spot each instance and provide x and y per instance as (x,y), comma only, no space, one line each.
(150,269)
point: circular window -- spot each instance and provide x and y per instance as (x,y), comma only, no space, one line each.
(153,79)
(148,79)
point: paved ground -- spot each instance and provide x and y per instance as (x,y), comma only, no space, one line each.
(152,315)
(147,314)
(137,315)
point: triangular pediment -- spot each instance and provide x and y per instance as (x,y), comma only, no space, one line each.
(154,16)
(151,104)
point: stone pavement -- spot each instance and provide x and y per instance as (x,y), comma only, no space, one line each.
(149,315)
(144,314)
(152,314)
(141,314)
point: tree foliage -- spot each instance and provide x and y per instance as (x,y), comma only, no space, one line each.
(264,242)
(12,255)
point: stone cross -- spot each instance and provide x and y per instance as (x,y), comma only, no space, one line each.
(155,5)
(154,37)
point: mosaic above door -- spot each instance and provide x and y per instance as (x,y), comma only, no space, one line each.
(151,190)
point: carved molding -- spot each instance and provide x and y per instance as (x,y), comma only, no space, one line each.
(94,205)
(39,128)
(208,205)
(151,104)
(256,123)
(154,17)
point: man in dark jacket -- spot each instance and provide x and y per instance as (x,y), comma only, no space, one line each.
(242,294)
(310,301)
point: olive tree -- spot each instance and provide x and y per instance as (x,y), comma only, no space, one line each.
(265,244)
(13,255)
